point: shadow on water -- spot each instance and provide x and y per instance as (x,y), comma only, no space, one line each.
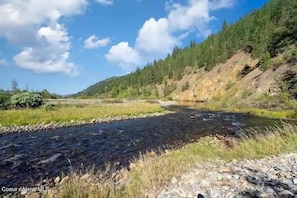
(27,158)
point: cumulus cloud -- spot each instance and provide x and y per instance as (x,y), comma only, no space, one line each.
(45,42)
(157,37)
(105,2)
(219,4)
(193,17)
(93,42)
(3,62)
(153,41)
(124,55)
(51,55)
(15,14)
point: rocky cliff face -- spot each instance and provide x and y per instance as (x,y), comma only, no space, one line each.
(238,76)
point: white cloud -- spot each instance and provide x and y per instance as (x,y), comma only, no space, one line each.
(93,42)
(31,59)
(219,4)
(3,62)
(157,37)
(192,17)
(184,16)
(44,41)
(105,2)
(34,11)
(122,54)
(51,55)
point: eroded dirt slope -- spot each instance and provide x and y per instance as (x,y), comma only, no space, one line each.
(239,76)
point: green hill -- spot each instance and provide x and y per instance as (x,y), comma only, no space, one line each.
(265,33)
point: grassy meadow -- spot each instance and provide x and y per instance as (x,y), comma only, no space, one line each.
(149,172)
(58,113)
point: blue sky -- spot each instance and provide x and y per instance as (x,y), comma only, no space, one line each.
(65,46)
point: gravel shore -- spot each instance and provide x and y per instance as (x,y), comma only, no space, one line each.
(273,176)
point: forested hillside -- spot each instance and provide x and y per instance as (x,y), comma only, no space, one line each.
(265,33)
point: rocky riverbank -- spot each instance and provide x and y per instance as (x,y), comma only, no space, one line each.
(72,123)
(273,176)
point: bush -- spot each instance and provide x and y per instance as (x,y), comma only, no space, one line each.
(265,61)
(169,88)
(26,100)
(4,100)
(186,86)
(49,107)
(229,85)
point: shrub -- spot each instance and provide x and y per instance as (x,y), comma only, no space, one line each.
(26,100)
(169,88)
(265,61)
(49,107)
(186,86)
(246,93)
(4,100)
(229,85)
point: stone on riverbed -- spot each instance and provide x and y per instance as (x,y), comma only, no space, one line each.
(295,181)
(57,180)
(24,192)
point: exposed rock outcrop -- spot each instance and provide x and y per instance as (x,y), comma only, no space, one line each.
(238,75)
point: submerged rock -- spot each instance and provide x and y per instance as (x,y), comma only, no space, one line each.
(51,159)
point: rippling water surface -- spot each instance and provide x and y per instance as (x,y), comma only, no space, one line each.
(27,158)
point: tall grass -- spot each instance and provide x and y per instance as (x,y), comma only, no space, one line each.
(149,174)
(273,114)
(67,113)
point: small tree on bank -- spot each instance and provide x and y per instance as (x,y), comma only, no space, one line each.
(26,100)
(4,100)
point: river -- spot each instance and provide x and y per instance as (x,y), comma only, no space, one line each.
(28,158)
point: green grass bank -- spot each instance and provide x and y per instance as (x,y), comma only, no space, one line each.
(78,112)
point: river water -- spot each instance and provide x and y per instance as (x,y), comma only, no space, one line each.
(28,158)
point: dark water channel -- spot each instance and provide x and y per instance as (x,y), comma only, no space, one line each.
(27,158)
